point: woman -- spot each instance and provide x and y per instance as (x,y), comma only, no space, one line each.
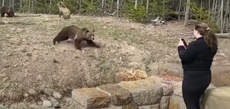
(196,62)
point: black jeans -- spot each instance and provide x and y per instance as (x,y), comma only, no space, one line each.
(193,86)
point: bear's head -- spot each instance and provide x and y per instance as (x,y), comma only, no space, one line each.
(10,12)
(89,35)
(61,5)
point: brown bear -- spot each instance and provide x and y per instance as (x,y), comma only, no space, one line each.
(77,34)
(63,11)
(7,10)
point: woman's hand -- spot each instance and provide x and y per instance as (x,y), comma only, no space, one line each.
(181,43)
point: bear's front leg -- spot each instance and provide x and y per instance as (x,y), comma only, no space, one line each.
(77,44)
(60,13)
(91,43)
(2,14)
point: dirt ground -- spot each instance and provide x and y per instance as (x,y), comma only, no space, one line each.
(30,61)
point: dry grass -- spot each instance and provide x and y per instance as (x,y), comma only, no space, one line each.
(29,60)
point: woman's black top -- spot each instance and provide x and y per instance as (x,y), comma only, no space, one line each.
(197,57)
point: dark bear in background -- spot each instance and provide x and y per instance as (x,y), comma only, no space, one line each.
(77,34)
(7,10)
(171,16)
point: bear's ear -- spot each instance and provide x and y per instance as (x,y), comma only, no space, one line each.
(62,4)
(86,31)
(59,3)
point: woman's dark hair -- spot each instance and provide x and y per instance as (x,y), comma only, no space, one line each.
(208,34)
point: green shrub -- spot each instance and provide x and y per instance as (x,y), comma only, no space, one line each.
(198,12)
(89,7)
(213,25)
(137,15)
(156,8)
(202,16)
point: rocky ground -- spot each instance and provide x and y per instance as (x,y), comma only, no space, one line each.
(33,69)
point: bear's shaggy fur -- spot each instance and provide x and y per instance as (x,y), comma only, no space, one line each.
(7,10)
(77,34)
(63,11)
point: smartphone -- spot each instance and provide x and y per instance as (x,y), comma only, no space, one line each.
(185,44)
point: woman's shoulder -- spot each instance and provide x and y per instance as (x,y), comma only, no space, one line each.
(192,43)
(196,42)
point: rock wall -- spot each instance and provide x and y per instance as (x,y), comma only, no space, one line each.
(149,93)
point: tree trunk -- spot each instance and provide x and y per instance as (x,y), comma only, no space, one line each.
(201,6)
(213,9)
(80,6)
(102,4)
(32,6)
(50,6)
(20,6)
(163,8)
(179,10)
(10,3)
(111,6)
(135,6)
(35,4)
(221,18)
(141,2)
(147,7)
(228,18)
(216,9)
(187,13)
(118,8)
(14,5)
(209,8)
(29,6)
(3,2)
(184,7)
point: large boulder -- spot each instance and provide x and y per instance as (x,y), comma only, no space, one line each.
(91,98)
(144,92)
(177,88)
(119,96)
(217,98)
(220,75)
(221,70)
(164,103)
(176,102)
